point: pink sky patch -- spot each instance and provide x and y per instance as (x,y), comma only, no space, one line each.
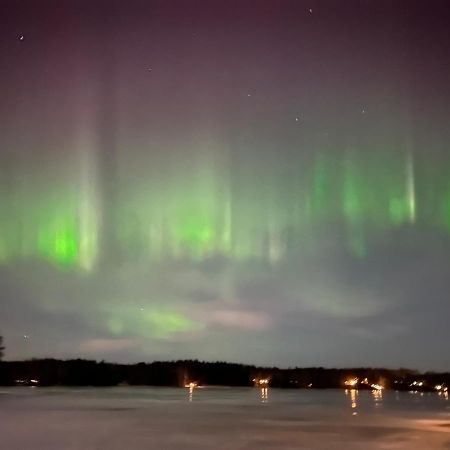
(240,319)
(107,345)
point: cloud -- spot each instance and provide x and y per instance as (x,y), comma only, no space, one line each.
(326,308)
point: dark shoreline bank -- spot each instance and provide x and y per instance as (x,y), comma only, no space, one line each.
(79,372)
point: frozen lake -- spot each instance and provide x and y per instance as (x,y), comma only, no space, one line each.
(126,418)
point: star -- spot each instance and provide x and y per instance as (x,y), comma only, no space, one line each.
(26,336)
(21,37)
(310,10)
(249,95)
(297,119)
(363,111)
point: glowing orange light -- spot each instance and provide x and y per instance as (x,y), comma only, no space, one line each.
(261,381)
(351,382)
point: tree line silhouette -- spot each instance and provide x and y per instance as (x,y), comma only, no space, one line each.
(81,372)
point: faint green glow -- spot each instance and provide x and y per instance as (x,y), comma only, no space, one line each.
(357,242)
(355,206)
(401,188)
(66,245)
(410,188)
(115,326)
(198,209)
(226,233)
(399,211)
(321,184)
(59,243)
(195,231)
(150,322)
(3,251)
(445,208)
(163,323)
(353,195)
(87,212)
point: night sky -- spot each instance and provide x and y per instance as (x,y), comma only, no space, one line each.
(252,181)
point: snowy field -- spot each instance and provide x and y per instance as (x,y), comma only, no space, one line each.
(220,419)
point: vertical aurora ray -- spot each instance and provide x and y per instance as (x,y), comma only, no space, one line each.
(58,239)
(87,211)
(322,189)
(445,209)
(411,187)
(355,206)
(195,210)
(402,192)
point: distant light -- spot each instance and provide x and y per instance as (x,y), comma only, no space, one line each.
(33,381)
(310,10)
(262,382)
(377,387)
(351,382)
(191,385)
(21,37)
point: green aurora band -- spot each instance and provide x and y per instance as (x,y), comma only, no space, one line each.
(206,208)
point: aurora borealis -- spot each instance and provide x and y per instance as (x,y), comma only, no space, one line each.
(262,182)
